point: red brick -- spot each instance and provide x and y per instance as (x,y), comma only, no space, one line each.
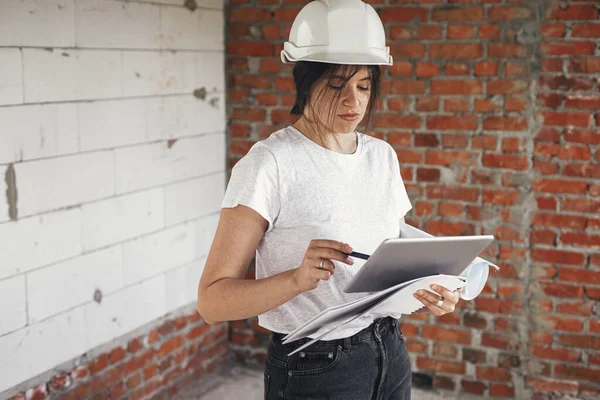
(409,156)
(270,65)
(568,48)
(553,30)
(492,373)
(400,138)
(443,366)
(490,31)
(486,68)
(429,32)
(515,69)
(573,12)
(396,103)
(80,373)
(506,14)
(426,140)
(239,96)
(581,205)
(582,102)
(579,275)
(586,30)
(271,32)
(400,33)
(286,14)
(578,372)
(576,308)
(460,31)
(248,114)
(509,161)
(547,385)
(397,86)
(403,14)
(452,123)
(588,65)
(100,363)
(408,50)
(583,341)
(455,140)
(393,120)
(552,65)
(562,290)
(448,87)
(238,29)
(500,197)
(460,14)
(455,50)
(443,382)
(446,335)
(559,220)
(139,362)
(117,354)
(565,152)
(503,86)
(473,387)
(250,81)
(444,350)
(445,228)
(425,69)
(504,124)
(559,186)
(448,158)
(401,68)
(249,14)
(452,193)
(504,50)
(561,82)
(557,256)
(427,104)
(485,105)
(249,48)
(279,116)
(500,390)
(497,306)
(457,69)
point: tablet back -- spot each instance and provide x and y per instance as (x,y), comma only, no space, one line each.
(400,260)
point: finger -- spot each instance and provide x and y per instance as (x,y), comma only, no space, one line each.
(431,307)
(322,274)
(332,244)
(326,265)
(442,291)
(433,299)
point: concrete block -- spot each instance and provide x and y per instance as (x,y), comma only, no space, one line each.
(71,283)
(112,123)
(115,24)
(218,4)
(38,131)
(13,304)
(123,311)
(205,233)
(149,73)
(61,182)
(37,23)
(202,29)
(210,71)
(63,75)
(37,241)
(158,252)
(121,218)
(179,116)
(194,198)
(182,284)
(37,348)
(157,164)
(11,75)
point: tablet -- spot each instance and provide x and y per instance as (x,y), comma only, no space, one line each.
(400,260)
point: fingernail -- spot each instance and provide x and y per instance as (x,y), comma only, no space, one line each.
(350,260)
(420,292)
(434,287)
(416,295)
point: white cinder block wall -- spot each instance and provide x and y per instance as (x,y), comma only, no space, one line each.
(111,169)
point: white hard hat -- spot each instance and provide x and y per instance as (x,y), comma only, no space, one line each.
(338,32)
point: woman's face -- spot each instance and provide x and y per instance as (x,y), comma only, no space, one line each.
(341,105)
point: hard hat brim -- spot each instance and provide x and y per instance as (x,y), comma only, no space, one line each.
(347,58)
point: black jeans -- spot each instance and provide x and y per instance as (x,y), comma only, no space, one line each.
(370,365)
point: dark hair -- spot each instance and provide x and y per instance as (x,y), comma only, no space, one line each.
(307,73)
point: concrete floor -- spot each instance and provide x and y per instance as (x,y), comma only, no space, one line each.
(247,384)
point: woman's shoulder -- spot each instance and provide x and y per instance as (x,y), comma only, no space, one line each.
(377,145)
(279,141)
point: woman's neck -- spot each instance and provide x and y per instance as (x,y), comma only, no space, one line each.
(345,143)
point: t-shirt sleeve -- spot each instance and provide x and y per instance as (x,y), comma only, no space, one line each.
(254,183)
(403,202)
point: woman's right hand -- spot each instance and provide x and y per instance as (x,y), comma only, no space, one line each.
(312,270)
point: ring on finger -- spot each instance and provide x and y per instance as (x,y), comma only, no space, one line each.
(321,264)
(440,302)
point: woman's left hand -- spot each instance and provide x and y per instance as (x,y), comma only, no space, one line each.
(431,300)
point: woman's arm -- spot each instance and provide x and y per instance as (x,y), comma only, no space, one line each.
(223,293)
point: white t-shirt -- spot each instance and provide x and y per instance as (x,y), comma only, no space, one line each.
(308,192)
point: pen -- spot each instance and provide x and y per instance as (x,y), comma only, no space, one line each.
(358,255)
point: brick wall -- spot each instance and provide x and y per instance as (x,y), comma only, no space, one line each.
(492,107)
(112,164)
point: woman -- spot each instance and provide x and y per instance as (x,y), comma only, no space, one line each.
(301,200)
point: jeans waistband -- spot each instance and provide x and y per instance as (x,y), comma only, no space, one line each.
(381,326)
